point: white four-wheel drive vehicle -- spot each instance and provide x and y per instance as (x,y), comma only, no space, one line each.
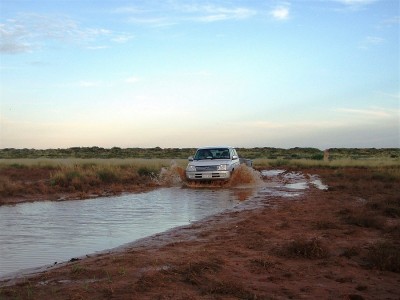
(211,163)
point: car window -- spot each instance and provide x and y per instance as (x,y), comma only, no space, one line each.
(212,153)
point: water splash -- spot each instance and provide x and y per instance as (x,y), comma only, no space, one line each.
(173,175)
(243,176)
(316,181)
(271,173)
(247,176)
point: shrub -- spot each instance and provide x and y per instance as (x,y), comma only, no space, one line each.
(325,225)
(58,178)
(147,171)
(301,248)
(8,187)
(279,163)
(349,252)
(107,175)
(385,256)
(319,156)
(362,219)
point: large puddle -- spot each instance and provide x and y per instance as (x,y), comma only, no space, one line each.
(47,233)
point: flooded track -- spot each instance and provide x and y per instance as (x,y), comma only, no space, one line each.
(47,233)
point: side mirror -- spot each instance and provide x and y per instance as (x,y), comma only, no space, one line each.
(234,157)
(190,158)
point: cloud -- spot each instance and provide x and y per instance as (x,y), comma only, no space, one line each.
(392,21)
(123,38)
(211,13)
(175,13)
(280,13)
(354,5)
(152,21)
(100,47)
(371,41)
(355,2)
(30,32)
(368,113)
(12,38)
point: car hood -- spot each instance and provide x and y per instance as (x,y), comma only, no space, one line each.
(210,162)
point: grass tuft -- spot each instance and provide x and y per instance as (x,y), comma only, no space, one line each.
(325,225)
(362,218)
(390,206)
(302,248)
(385,256)
(9,187)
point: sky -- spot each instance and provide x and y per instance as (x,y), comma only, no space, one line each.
(176,74)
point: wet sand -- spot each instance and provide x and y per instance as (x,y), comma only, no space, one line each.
(339,243)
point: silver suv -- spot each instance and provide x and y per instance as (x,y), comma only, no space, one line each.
(211,163)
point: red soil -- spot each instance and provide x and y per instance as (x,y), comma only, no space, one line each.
(323,245)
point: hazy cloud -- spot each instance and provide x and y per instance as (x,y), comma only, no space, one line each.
(280,13)
(355,2)
(390,22)
(371,41)
(151,21)
(29,32)
(123,38)
(373,112)
(13,38)
(211,13)
(179,13)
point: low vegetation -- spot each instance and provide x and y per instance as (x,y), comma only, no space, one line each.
(297,153)
(19,177)
(303,248)
(98,171)
(384,256)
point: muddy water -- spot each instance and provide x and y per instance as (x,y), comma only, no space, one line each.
(47,233)
(41,233)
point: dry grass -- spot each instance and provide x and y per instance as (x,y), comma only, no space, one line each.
(385,256)
(70,162)
(8,187)
(303,248)
(383,163)
(47,176)
(362,218)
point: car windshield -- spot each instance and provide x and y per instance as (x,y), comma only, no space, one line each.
(212,153)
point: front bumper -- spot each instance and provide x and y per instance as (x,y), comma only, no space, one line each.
(209,175)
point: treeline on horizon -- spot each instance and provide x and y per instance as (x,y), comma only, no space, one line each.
(183,153)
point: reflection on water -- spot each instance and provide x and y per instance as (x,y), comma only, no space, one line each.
(40,233)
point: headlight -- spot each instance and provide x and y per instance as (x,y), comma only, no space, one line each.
(222,167)
(190,168)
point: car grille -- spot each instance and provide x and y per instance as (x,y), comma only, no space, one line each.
(206,168)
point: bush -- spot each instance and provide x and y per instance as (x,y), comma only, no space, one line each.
(107,175)
(301,248)
(385,256)
(8,187)
(147,171)
(362,219)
